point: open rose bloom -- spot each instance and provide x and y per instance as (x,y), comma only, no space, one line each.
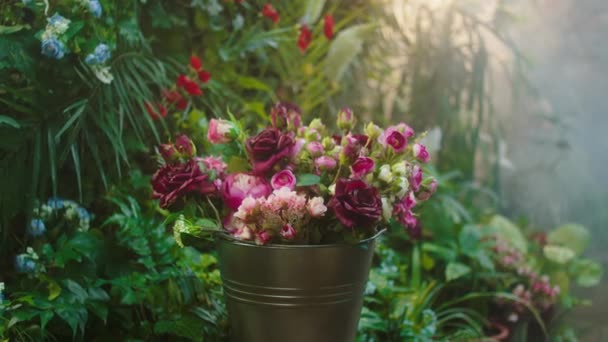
(294,183)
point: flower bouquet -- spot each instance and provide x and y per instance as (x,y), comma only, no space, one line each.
(297,209)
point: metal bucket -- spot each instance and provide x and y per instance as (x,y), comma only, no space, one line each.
(280,293)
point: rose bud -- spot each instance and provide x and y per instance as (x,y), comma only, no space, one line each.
(346,120)
(238,186)
(361,167)
(284,178)
(185,146)
(409,201)
(317,125)
(399,168)
(262,238)
(421,153)
(311,134)
(315,148)
(285,115)
(324,163)
(221,131)
(168,152)
(373,131)
(356,203)
(428,188)
(385,173)
(328,143)
(315,207)
(288,232)
(416,177)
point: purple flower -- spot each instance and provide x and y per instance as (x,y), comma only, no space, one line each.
(356,203)
(288,232)
(185,146)
(175,180)
(421,153)
(284,178)
(416,178)
(237,186)
(362,166)
(315,148)
(324,163)
(393,138)
(285,115)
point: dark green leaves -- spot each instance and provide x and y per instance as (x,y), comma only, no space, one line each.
(307,179)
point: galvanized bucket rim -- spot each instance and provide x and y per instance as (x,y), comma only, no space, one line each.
(236,241)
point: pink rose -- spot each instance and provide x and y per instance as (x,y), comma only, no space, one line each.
(238,186)
(220,131)
(421,153)
(315,207)
(315,148)
(405,129)
(284,178)
(362,166)
(325,163)
(416,178)
(393,138)
(288,232)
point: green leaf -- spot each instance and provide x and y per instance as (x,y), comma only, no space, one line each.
(80,293)
(344,48)
(505,229)
(307,179)
(45,317)
(253,83)
(54,289)
(587,272)
(558,254)
(573,236)
(7,120)
(12,29)
(237,164)
(74,27)
(468,239)
(456,270)
(313,11)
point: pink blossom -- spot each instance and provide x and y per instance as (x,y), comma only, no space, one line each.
(297,147)
(315,207)
(394,138)
(362,166)
(405,129)
(238,186)
(263,237)
(416,178)
(220,131)
(409,201)
(325,163)
(243,233)
(248,205)
(288,232)
(421,153)
(284,178)
(214,164)
(315,148)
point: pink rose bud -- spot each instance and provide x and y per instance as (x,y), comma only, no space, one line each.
(168,152)
(421,153)
(315,148)
(409,201)
(405,129)
(288,232)
(284,178)
(362,166)
(429,186)
(262,238)
(238,186)
(416,178)
(346,119)
(316,207)
(325,163)
(185,146)
(220,131)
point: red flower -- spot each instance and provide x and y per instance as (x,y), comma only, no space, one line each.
(195,62)
(175,98)
(328,26)
(305,38)
(204,76)
(269,12)
(173,181)
(154,112)
(189,85)
(356,203)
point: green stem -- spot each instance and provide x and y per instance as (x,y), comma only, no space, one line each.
(416,266)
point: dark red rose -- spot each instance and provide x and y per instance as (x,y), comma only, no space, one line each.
(196,63)
(356,203)
(328,26)
(268,148)
(305,38)
(286,115)
(175,180)
(204,76)
(189,85)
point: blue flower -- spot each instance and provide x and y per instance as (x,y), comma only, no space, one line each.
(91,59)
(55,202)
(95,8)
(36,228)
(83,214)
(102,53)
(56,19)
(53,48)
(24,264)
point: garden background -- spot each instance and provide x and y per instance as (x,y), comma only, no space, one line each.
(509,91)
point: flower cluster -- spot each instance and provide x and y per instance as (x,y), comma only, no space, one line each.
(301,183)
(58,209)
(177,97)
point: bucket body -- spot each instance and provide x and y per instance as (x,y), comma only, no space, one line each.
(281,293)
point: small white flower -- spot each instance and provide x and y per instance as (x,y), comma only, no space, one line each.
(1,286)
(403,185)
(315,207)
(387,209)
(385,173)
(399,168)
(29,250)
(103,74)
(332,189)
